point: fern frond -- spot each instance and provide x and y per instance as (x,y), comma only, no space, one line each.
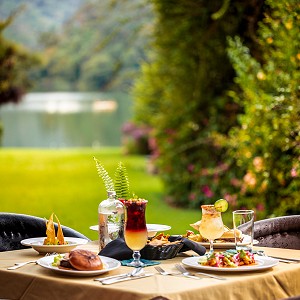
(108,182)
(121,182)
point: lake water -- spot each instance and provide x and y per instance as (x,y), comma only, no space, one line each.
(59,120)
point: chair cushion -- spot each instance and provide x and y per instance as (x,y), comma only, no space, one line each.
(280,232)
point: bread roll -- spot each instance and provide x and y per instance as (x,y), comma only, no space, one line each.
(85,260)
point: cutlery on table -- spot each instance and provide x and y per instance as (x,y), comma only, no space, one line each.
(211,276)
(165,273)
(284,260)
(185,272)
(294,260)
(19,265)
(120,279)
(134,272)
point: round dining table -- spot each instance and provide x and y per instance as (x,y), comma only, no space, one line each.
(33,281)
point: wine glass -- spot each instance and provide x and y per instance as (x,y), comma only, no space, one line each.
(211,226)
(135,232)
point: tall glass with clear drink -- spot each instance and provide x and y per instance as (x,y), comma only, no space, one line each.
(211,226)
(111,217)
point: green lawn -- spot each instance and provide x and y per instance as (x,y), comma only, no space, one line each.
(39,182)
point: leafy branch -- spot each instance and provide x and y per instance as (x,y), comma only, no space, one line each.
(121,182)
(108,182)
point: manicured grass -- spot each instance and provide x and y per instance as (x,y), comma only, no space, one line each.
(39,182)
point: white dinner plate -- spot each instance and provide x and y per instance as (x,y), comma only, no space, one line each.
(228,245)
(37,244)
(154,228)
(262,263)
(109,264)
(151,228)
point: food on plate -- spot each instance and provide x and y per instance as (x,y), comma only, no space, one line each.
(79,259)
(161,240)
(85,260)
(227,259)
(227,236)
(50,233)
(196,225)
(194,237)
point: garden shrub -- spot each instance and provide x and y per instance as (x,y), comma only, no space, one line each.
(135,138)
(266,145)
(225,127)
(181,94)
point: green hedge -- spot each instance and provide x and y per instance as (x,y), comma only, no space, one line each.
(206,109)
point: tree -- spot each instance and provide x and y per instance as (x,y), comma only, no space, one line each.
(15,63)
(99,48)
(182,92)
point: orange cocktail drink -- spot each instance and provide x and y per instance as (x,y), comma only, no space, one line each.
(136,239)
(211,226)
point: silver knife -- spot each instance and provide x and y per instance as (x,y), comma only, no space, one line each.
(115,280)
(135,272)
(281,259)
(125,275)
(289,260)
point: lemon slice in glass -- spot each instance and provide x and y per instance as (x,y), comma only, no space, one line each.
(221,205)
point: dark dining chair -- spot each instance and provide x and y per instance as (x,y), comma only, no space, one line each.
(16,227)
(279,232)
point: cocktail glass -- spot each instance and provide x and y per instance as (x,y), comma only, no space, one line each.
(211,226)
(135,232)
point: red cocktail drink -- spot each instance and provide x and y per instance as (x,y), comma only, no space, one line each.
(135,233)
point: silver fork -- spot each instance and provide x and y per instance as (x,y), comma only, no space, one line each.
(185,272)
(19,265)
(182,269)
(165,273)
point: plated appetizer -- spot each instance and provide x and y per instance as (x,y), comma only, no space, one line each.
(228,259)
(50,233)
(227,236)
(79,259)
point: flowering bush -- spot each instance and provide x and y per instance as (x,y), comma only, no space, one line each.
(135,138)
(201,148)
(266,145)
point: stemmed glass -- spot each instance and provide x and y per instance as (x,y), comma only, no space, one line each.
(211,226)
(135,232)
